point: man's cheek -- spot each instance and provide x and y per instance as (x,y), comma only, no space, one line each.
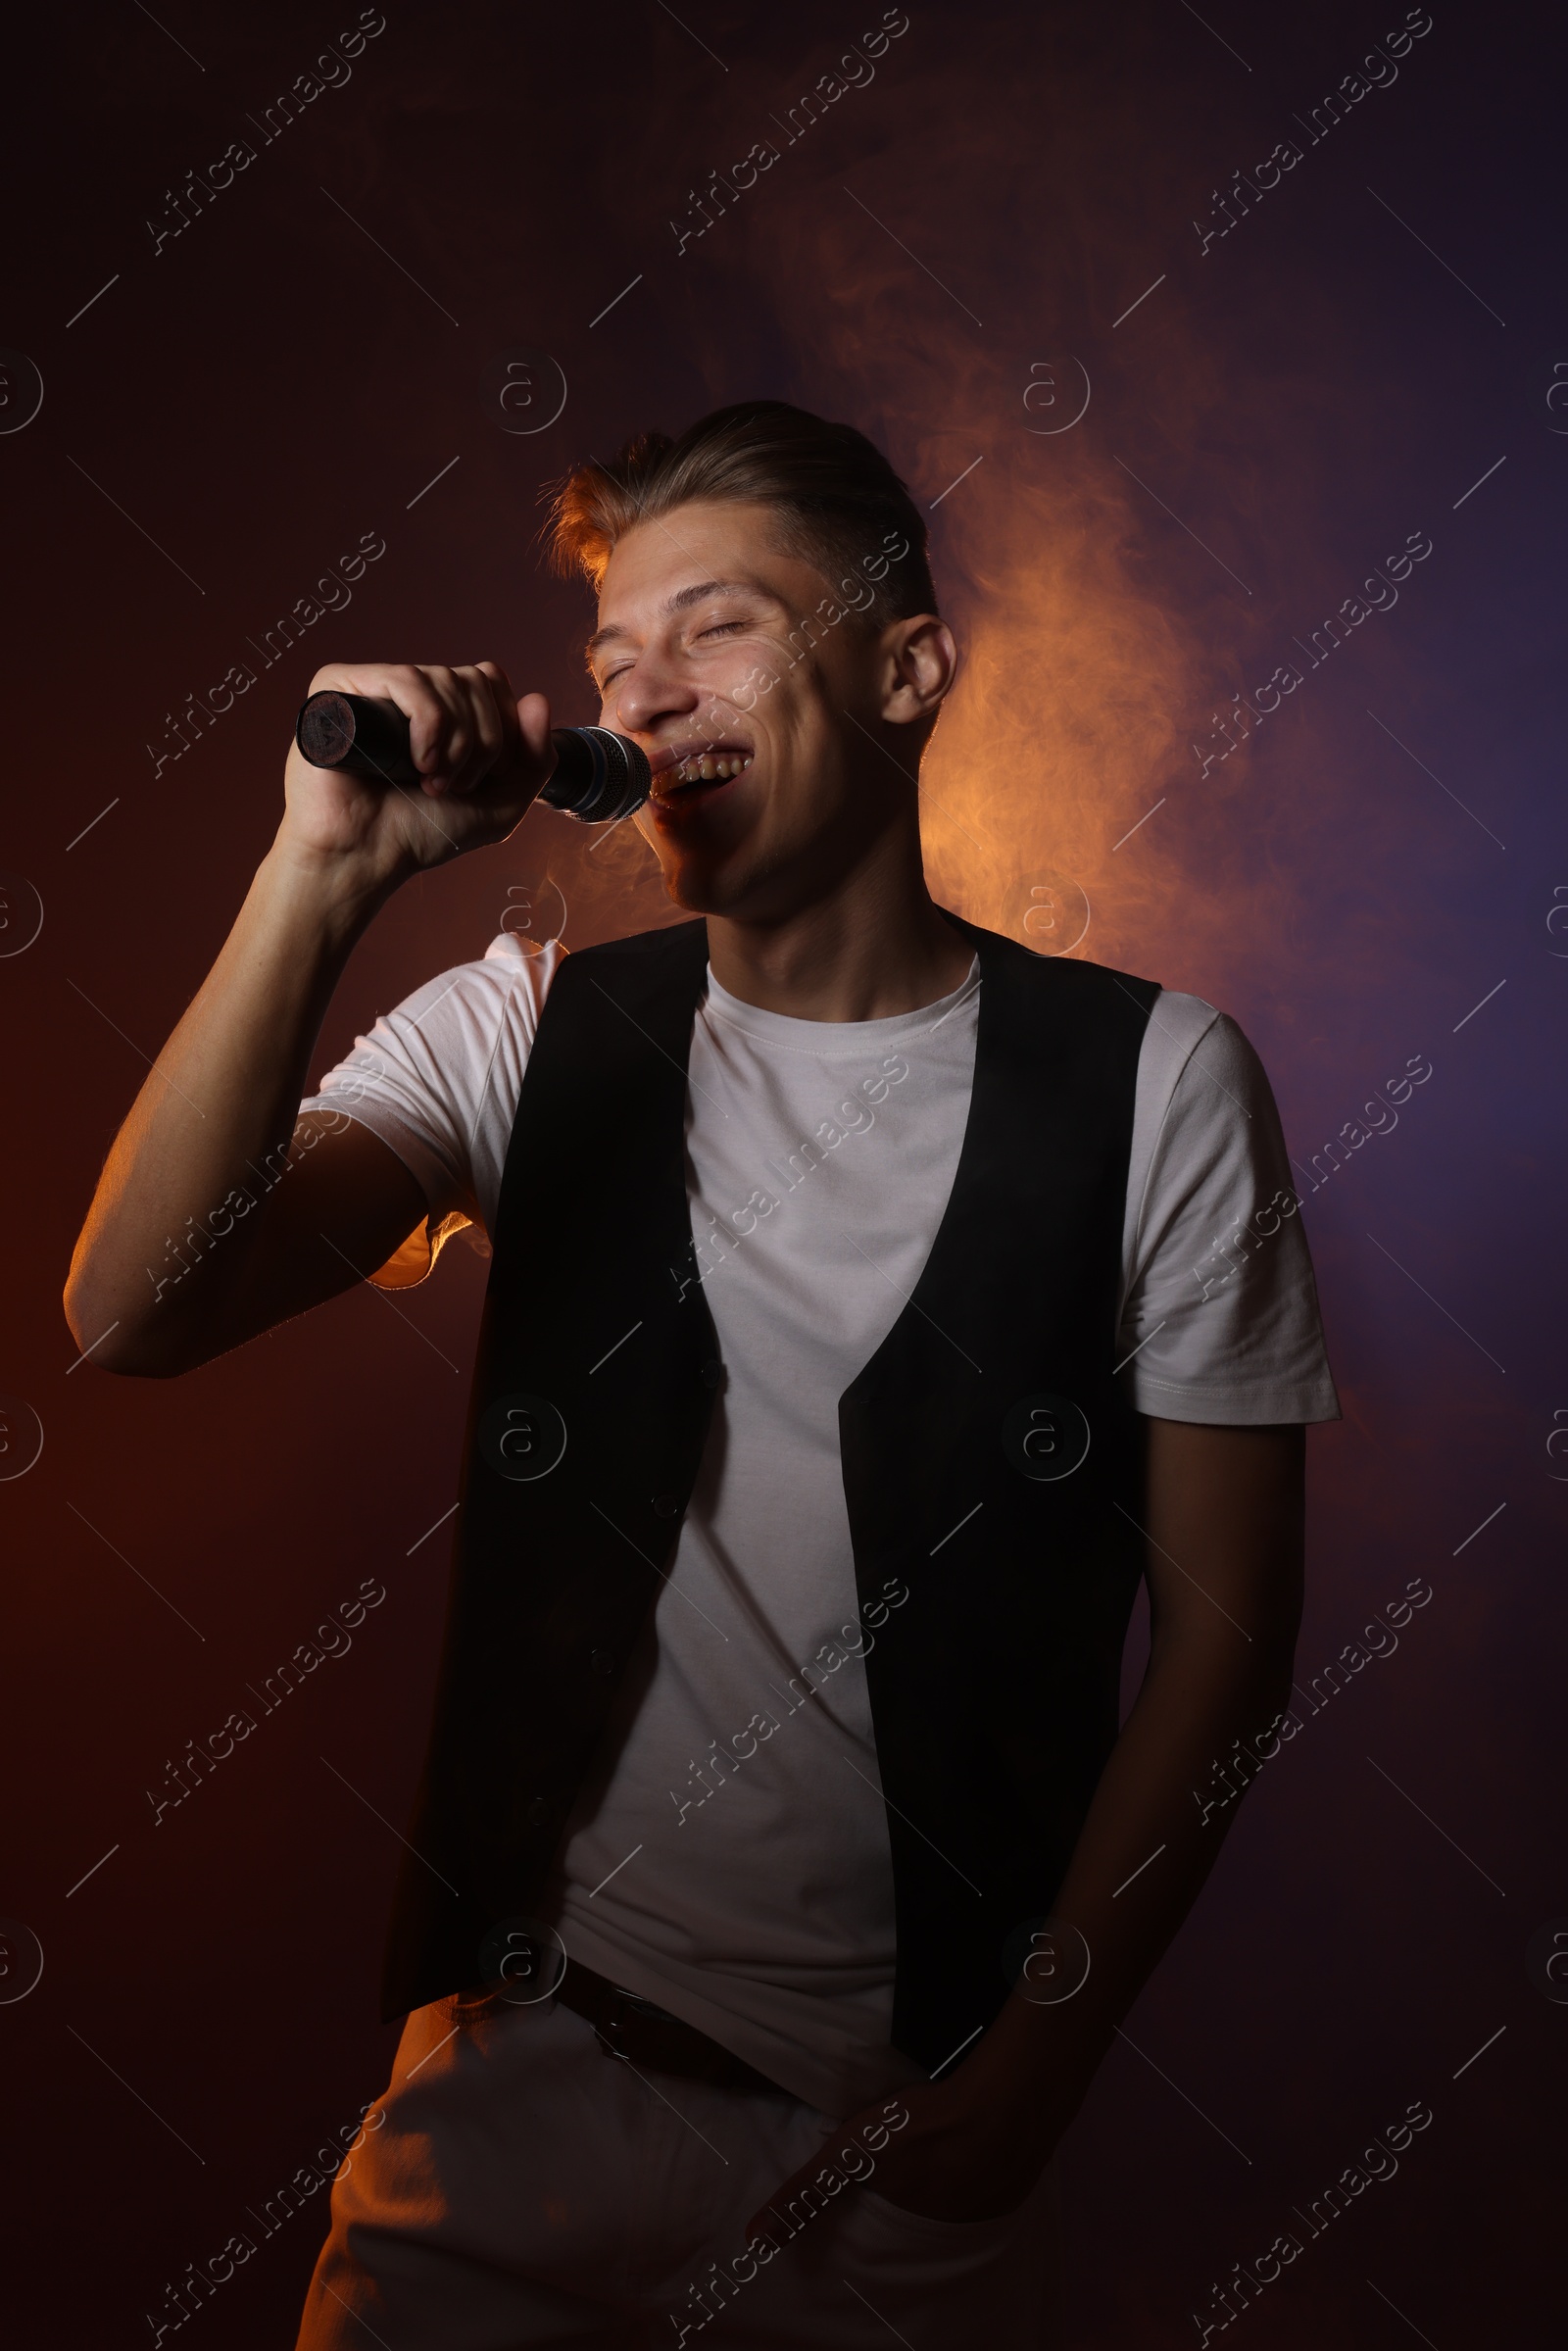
(756,679)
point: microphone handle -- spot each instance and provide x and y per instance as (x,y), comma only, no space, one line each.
(599,777)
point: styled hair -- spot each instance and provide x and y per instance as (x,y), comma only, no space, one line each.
(840,507)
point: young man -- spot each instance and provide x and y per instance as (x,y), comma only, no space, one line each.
(872,1303)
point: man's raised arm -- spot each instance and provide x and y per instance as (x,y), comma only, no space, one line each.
(214,1124)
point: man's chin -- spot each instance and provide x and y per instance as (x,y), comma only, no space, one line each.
(751,878)
(701,885)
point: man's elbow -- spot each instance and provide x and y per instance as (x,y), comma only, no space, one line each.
(132,1346)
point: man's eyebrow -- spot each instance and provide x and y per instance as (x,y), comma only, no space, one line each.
(678,603)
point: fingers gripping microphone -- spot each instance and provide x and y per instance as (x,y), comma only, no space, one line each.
(599,777)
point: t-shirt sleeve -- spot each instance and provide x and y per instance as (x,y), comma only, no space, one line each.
(438,1079)
(1220,1317)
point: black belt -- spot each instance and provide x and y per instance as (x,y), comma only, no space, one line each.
(635,2029)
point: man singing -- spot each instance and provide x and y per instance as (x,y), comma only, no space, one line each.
(873,1303)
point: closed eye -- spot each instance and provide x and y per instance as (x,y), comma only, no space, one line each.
(718,629)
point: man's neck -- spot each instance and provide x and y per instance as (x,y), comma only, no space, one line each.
(875,947)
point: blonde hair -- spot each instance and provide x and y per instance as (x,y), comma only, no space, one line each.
(839,504)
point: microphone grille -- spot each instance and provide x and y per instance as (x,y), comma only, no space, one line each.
(600,776)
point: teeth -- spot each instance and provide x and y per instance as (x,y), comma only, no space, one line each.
(707,768)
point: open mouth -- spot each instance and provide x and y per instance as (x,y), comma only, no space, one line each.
(684,776)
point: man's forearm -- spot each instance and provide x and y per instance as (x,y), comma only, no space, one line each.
(218,1103)
(1139,1865)
(1225,1529)
(982,2132)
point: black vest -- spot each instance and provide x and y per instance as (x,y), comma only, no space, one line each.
(994,1685)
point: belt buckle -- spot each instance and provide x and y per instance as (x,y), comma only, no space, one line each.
(625,2008)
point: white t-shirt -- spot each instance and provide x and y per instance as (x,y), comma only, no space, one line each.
(728,1853)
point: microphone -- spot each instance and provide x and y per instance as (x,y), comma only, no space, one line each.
(598,777)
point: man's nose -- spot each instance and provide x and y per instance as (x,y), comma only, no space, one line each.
(650,691)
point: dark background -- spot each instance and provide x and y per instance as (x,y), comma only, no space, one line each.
(226,419)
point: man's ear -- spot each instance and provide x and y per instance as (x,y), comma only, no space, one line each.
(922,661)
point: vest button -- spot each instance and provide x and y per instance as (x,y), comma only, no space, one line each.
(537,1811)
(603,1661)
(665,1505)
(712,1373)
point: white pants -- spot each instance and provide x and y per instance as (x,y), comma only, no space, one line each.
(525,2190)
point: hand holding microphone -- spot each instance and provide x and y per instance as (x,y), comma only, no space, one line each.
(599,777)
(399,768)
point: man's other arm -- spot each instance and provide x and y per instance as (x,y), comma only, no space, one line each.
(219,1212)
(1225,1509)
